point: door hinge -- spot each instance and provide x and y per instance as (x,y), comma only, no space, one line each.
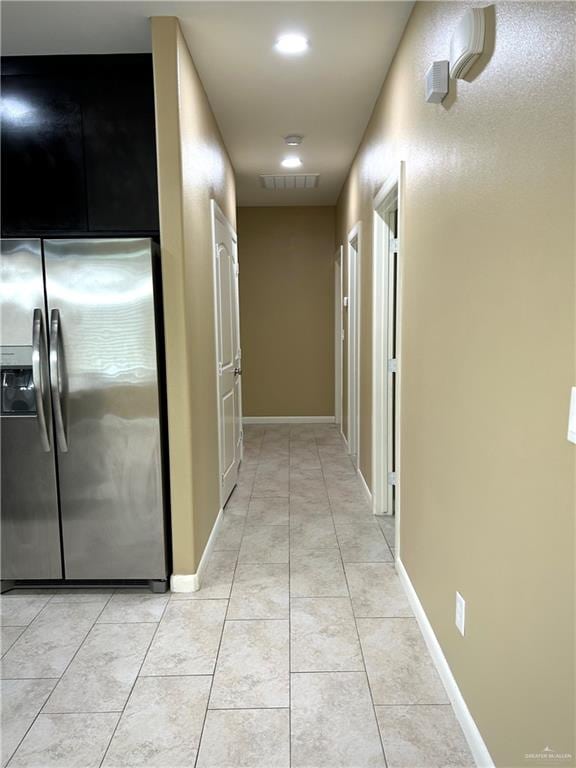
(394,245)
(221,479)
(220,369)
(392,365)
(391,478)
(237,268)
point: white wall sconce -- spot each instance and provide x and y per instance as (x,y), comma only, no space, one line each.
(467,43)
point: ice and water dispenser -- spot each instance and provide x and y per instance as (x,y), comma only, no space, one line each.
(17,395)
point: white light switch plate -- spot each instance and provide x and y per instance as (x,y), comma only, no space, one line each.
(572,417)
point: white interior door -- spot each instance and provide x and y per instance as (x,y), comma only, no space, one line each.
(385,265)
(391,384)
(229,358)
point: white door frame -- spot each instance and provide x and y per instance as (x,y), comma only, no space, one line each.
(354,260)
(338,335)
(385,399)
(216,213)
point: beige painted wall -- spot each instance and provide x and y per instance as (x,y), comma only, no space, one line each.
(488,358)
(193,167)
(286,310)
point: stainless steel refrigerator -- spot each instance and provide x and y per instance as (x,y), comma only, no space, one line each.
(82,490)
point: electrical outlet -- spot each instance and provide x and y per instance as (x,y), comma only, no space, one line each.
(460,613)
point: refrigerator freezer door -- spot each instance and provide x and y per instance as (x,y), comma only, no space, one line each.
(105,394)
(29,501)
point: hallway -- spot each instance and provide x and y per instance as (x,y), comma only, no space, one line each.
(276,437)
(301,628)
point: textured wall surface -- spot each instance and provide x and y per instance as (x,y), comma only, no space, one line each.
(193,168)
(286,310)
(487,357)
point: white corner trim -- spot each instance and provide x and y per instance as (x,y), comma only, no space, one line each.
(365,488)
(289,420)
(473,736)
(181,582)
(191,582)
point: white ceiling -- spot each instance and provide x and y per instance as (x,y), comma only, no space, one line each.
(257,95)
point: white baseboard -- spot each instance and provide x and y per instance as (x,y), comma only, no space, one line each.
(191,582)
(473,737)
(289,420)
(367,491)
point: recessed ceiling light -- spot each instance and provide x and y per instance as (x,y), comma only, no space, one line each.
(291,162)
(294,140)
(292,44)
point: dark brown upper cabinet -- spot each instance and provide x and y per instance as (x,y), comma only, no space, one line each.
(43,181)
(78,145)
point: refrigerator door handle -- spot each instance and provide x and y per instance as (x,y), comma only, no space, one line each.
(56,380)
(38,377)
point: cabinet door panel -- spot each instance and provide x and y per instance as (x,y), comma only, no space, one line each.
(120,151)
(43,180)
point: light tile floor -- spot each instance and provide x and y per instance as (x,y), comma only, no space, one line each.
(299,650)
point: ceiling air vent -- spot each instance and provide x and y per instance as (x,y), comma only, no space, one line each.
(280,181)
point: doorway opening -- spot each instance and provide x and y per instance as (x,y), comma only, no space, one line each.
(386,351)
(338,337)
(352,308)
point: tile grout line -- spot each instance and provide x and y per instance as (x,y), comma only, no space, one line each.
(356,626)
(260,618)
(207,674)
(134,683)
(249,709)
(408,706)
(87,712)
(40,711)
(28,678)
(385,538)
(217,656)
(337,548)
(286,525)
(23,627)
(329,671)
(289,601)
(130,623)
